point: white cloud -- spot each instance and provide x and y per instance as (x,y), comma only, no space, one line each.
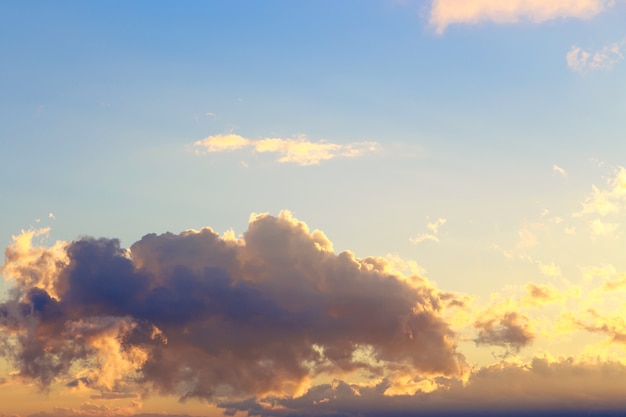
(583,61)
(300,150)
(434,231)
(444,13)
(557,169)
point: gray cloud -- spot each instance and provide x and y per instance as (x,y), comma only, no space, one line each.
(541,387)
(510,329)
(199,315)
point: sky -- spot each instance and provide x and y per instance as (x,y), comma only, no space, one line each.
(312,208)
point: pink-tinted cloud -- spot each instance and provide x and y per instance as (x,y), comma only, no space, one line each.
(444,13)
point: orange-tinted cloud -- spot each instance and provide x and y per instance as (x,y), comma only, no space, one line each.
(199,315)
(300,151)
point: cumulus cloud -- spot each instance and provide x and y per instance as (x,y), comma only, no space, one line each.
(300,151)
(444,13)
(199,315)
(273,322)
(606,58)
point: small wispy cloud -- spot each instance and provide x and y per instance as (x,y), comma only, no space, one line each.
(432,235)
(583,61)
(300,150)
(549,269)
(527,235)
(558,170)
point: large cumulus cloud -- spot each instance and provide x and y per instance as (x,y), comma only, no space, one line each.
(203,315)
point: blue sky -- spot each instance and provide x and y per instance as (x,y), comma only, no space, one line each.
(476,141)
(101,99)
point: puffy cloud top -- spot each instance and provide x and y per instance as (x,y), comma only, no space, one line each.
(200,315)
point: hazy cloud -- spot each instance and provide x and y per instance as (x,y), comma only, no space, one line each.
(540,295)
(541,387)
(557,169)
(444,13)
(432,235)
(582,61)
(300,151)
(510,329)
(604,201)
(600,228)
(549,269)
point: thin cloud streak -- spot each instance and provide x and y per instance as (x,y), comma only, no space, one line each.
(300,151)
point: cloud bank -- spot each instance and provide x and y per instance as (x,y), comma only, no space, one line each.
(444,13)
(300,151)
(275,323)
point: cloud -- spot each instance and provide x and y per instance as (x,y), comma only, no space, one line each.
(540,387)
(444,13)
(549,269)
(600,228)
(433,235)
(583,61)
(527,235)
(34,266)
(510,329)
(199,315)
(609,200)
(557,169)
(95,410)
(540,295)
(613,325)
(273,322)
(300,151)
